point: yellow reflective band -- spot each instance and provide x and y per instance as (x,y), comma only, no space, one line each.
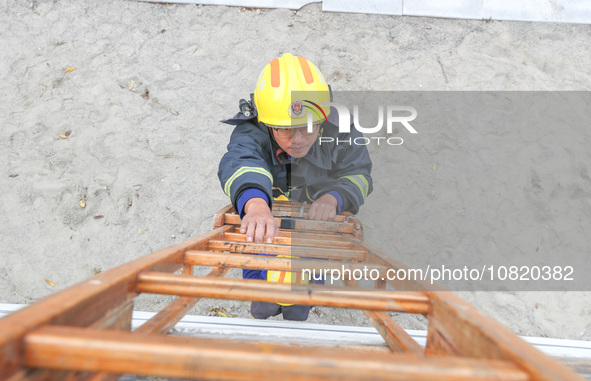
(287,277)
(366,184)
(359,180)
(240,172)
(308,195)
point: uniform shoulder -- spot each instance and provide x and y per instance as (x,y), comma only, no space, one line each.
(330,130)
(252,130)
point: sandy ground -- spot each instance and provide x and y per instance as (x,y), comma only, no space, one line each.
(141,112)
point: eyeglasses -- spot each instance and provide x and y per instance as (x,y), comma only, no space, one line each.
(286,133)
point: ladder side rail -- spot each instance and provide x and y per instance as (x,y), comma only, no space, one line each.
(166,319)
(218,218)
(457,328)
(161,323)
(89,301)
(396,337)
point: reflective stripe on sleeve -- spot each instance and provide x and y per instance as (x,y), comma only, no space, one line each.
(240,172)
(361,183)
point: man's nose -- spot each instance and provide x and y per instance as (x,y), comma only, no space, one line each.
(297,136)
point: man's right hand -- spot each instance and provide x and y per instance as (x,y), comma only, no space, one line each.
(258,221)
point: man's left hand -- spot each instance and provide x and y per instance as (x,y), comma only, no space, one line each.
(324,208)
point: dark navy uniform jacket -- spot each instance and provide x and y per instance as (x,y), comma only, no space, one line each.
(255,161)
(255,164)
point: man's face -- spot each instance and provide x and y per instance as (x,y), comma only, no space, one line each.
(298,144)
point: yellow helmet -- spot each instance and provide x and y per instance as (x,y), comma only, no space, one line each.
(273,92)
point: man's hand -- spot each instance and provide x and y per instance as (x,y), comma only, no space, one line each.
(258,221)
(324,208)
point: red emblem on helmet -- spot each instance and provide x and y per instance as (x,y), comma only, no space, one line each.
(296,109)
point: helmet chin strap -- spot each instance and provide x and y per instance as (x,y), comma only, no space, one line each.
(272,135)
(254,106)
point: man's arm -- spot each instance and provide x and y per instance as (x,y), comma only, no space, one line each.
(245,177)
(352,171)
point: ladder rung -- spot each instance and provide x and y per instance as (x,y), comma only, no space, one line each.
(70,348)
(262,291)
(260,262)
(300,251)
(310,235)
(300,224)
(288,213)
(289,206)
(295,240)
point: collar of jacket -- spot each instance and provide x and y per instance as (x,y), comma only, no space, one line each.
(318,157)
(278,154)
(239,119)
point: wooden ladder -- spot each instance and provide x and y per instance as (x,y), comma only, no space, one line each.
(84,332)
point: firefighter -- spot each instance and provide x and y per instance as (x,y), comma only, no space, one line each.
(274,151)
